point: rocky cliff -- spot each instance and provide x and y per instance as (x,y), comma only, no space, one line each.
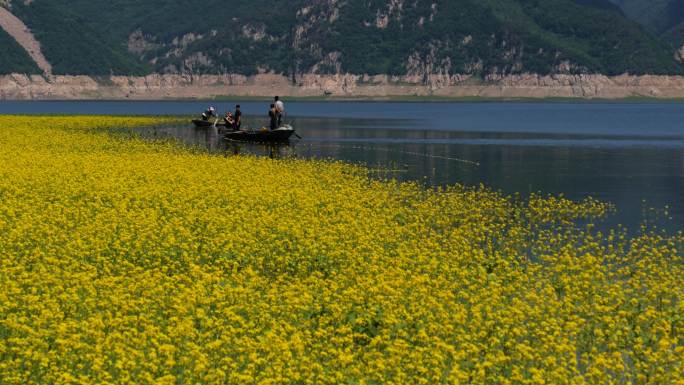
(36,87)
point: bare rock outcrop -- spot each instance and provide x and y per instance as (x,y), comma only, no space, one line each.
(163,86)
(139,43)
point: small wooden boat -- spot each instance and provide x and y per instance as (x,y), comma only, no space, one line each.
(199,123)
(263,135)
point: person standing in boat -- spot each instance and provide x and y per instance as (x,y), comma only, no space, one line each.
(273,115)
(209,113)
(237,116)
(280,108)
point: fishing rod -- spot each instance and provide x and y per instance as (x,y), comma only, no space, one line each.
(285,122)
(367,148)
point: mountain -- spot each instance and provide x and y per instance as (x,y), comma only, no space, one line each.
(664,17)
(603,4)
(293,37)
(14,58)
(72,45)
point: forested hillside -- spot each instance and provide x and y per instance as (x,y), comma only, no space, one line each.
(664,17)
(397,37)
(74,46)
(14,58)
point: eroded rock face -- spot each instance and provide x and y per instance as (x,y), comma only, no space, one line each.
(187,39)
(256,33)
(428,69)
(331,63)
(139,43)
(350,85)
(393,10)
(197,60)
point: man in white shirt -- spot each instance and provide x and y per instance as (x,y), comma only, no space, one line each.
(280,108)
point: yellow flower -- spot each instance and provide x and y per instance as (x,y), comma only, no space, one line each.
(132,261)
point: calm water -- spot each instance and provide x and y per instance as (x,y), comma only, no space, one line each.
(631,154)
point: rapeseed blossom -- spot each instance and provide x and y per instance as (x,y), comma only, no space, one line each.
(131,262)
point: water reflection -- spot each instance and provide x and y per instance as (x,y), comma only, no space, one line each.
(620,166)
(626,153)
(270,150)
(212,139)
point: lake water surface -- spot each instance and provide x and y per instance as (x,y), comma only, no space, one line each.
(631,154)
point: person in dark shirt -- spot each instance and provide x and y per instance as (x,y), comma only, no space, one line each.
(273,114)
(210,112)
(237,116)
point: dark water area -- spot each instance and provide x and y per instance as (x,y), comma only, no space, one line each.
(631,154)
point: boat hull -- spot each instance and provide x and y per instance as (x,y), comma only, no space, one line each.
(206,123)
(281,135)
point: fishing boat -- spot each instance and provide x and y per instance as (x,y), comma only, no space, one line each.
(263,135)
(199,123)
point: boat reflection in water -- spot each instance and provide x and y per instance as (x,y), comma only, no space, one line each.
(271,150)
(213,139)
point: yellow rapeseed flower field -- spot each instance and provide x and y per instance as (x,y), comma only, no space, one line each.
(132,262)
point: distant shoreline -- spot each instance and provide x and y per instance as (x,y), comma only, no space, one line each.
(442,99)
(383,99)
(347,87)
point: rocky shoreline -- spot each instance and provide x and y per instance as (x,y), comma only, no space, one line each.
(156,87)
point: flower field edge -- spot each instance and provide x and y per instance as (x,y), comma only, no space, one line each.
(124,261)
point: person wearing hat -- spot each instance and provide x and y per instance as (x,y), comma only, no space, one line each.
(209,113)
